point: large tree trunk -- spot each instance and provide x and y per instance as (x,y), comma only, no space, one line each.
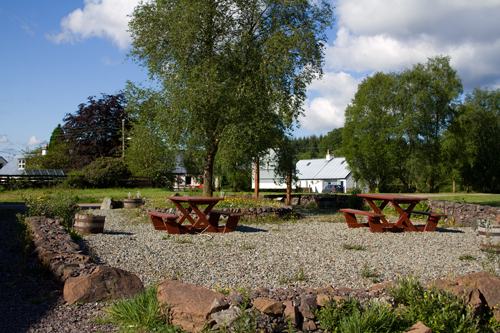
(208,173)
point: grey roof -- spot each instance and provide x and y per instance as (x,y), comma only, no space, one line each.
(335,168)
(10,169)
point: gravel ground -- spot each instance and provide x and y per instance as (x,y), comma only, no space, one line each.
(307,253)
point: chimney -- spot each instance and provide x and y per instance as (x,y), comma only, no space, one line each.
(44,150)
(329,156)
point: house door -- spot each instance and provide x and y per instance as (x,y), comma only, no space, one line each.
(188,180)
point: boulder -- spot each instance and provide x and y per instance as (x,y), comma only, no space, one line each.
(307,307)
(488,285)
(104,283)
(292,313)
(190,305)
(268,306)
(227,317)
(419,328)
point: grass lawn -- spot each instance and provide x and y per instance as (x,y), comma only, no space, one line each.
(492,200)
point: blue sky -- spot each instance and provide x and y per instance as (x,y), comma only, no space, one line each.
(55,54)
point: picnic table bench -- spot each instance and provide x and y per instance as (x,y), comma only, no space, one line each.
(432,220)
(373,223)
(232,220)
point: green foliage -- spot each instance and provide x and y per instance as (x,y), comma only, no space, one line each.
(52,205)
(438,309)
(105,172)
(471,143)
(394,126)
(141,313)
(353,247)
(228,83)
(75,179)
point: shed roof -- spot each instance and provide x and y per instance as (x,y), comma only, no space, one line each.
(11,168)
(335,168)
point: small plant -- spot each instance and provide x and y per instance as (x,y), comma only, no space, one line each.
(353,247)
(183,241)
(467,257)
(300,276)
(166,237)
(246,246)
(141,313)
(367,272)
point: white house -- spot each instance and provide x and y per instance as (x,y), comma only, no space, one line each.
(314,174)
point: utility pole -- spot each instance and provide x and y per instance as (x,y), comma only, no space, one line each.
(257,177)
(123,138)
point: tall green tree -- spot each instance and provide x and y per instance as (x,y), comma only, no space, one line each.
(471,143)
(395,124)
(148,154)
(428,95)
(221,65)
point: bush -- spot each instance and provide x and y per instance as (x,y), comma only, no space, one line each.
(58,204)
(75,179)
(105,172)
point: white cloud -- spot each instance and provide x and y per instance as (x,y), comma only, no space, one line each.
(33,141)
(3,139)
(99,18)
(327,112)
(391,35)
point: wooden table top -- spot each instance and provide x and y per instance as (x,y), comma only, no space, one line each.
(391,197)
(196,198)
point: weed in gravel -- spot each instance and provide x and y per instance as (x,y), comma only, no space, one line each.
(467,257)
(367,272)
(353,247)
(183,241)
(246,246)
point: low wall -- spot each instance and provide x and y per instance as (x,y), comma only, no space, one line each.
(464,214)
(249,213)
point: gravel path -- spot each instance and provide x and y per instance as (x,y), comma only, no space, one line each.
(275,255)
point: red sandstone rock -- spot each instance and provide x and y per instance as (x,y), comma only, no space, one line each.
(103,284)
(189,304)
(419,328)
(488,285)
(292,313)
(268,306)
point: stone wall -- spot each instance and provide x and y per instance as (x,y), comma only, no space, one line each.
(464,214)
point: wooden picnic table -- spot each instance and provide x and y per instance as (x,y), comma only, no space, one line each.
(174,224)
(377,221)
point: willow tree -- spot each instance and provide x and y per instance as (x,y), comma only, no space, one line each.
(226,64)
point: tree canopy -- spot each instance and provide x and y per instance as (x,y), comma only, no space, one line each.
(95,129)
(395,124)
(227,70)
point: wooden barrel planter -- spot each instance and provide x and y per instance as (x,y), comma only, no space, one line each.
(489,239)
(130,203)
(89,224)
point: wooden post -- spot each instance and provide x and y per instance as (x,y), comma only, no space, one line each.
(256,177)
(453,186)
(288,187)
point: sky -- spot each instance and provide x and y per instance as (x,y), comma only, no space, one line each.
(55,54)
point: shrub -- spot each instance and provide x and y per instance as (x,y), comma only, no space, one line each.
(57,204)
(75,179)
(105,172)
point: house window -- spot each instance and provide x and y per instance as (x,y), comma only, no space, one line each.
(21,164)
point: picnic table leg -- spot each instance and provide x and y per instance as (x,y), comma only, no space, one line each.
(202,217)
(378,209)
(404,217)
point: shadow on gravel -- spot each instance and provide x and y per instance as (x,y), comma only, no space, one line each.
(245,228)
(117,233)
(27,293)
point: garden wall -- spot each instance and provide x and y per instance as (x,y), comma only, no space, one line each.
(464,214)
